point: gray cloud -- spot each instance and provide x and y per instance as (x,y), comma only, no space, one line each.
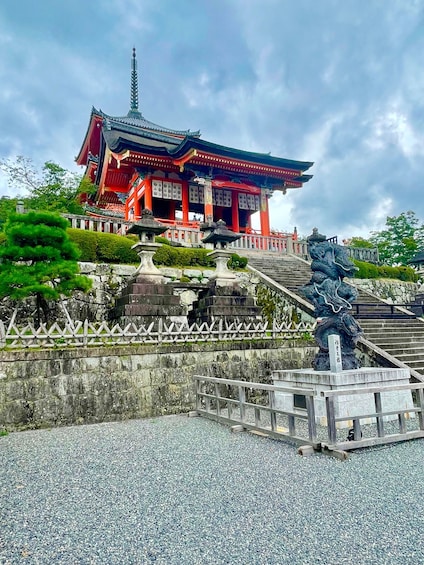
(336,83)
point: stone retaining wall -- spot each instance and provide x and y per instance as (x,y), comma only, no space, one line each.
(394,291)
(108,283)
(54,387)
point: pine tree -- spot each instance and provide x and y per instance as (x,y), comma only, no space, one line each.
(38,259)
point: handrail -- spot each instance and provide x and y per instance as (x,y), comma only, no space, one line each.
(385,310)
(356,441)
(213,401)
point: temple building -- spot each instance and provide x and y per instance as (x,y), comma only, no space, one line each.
(183,179)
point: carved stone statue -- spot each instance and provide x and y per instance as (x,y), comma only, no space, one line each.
(332,299)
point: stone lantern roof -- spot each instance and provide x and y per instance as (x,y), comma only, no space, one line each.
(147,227)
(219,234)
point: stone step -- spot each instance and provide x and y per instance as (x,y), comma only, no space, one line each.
(417,365)
(387,341)
(400,349)
(409,357)
(399,333)
(388,323)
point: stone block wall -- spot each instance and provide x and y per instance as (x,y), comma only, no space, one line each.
(108,282)
(75,386)
(394,291)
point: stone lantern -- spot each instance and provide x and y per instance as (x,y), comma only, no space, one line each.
(146,229)
(220,236)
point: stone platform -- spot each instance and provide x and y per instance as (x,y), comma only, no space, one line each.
(349,405)
(144,302)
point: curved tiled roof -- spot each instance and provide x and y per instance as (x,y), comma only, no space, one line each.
(137,120)
(417,259)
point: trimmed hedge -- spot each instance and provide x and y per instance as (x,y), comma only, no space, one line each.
(182,257)
(370,271)
(98,247)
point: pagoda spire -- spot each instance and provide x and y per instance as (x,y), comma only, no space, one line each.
(134,111)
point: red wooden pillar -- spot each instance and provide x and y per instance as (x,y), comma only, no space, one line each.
(264,214)
(137,212)
(208,205)
(172,209)
(148,199)
(184,202)
(235,212)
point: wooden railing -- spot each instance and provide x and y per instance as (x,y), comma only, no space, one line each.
(252,406)
(86,334)
(377,430)
(232,402)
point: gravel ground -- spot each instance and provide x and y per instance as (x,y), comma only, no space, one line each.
(178,490)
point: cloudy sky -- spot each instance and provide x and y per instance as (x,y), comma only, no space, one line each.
(337,82)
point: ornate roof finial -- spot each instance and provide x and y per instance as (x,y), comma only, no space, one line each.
(134,87)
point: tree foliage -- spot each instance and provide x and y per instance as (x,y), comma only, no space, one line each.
(7,206)
(361,243)
(38,259)
(400,241)
(54,189)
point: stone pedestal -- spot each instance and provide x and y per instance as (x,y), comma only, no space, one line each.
(222,276)
(349,405)
(144,302)
(224,302)
(147,269)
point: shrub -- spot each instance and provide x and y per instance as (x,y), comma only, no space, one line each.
(237,262)
(370,271)
(86,241)
(163,240)
(115,249)
(182,257)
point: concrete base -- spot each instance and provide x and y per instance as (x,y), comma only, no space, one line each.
(352,405)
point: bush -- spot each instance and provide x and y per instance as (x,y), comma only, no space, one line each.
(163,240)
(370,271)
(98,247)
(115,249)
(86,241)
(237,262)
(182,257)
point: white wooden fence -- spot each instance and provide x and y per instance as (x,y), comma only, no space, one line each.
(82,334)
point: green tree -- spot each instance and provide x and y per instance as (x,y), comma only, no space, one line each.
(38,259)
(54,189)
(401,239)
(361,243)
(7,206)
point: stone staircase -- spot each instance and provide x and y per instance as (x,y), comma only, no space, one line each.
(293,272)
(401,338)
(289,271)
